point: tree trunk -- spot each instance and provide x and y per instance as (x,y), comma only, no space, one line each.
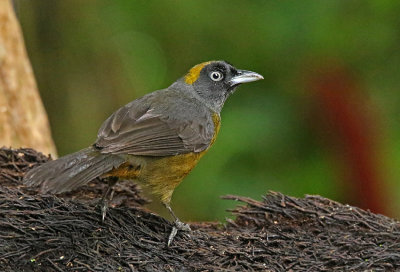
(23,120)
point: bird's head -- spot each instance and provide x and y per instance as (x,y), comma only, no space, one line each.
(214,81)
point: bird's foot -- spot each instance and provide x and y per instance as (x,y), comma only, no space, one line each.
(107,197)
(104,204)
(178,225)
(104,207)
(182,226)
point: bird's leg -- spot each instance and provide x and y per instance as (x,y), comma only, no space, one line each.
(178,225)
(107,196)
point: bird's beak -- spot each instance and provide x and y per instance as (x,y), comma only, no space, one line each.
(244,76)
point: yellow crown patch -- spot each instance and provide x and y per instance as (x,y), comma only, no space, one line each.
(194,73)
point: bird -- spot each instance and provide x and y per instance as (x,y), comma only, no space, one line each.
(156,139)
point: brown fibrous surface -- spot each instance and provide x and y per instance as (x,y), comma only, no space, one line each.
(279,233)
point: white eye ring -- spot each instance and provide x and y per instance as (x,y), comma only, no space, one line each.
(216,76)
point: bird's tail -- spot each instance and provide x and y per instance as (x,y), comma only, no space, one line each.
(71,171)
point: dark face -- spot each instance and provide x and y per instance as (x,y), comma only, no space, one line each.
(216,77)
(216,80)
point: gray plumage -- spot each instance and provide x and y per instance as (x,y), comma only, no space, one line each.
(163,123)
(71,171)
(172,121)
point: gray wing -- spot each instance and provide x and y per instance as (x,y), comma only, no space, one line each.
(160,124)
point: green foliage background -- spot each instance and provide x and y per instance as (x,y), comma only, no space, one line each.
(91,57)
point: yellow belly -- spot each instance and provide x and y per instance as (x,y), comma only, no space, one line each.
(162,175)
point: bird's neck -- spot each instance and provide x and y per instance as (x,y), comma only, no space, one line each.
(215,105)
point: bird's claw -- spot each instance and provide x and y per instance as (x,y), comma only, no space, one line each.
(171,237)
(182,226)
(178,225)
(104,208)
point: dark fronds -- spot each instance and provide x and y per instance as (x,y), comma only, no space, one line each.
(279,233)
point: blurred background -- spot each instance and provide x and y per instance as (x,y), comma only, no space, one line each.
(324,121)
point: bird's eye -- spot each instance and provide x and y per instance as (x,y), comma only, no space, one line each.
(216,76)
